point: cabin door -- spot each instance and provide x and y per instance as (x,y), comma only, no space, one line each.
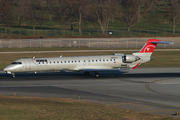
(27,64)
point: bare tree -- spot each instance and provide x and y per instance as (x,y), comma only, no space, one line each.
(50,4)
(71,12)
(134,10)
(22,11)
(33,5)
(60,9)
(174,13)
(83,9)
(40,3)
(105,11)
(5,14)
(42,15)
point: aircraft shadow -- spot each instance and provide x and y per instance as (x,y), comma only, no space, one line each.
(80,75)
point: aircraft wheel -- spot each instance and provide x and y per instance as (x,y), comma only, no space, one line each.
(86,73)
(13,75)
(96,75)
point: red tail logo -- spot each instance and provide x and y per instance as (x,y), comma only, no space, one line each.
(149,47)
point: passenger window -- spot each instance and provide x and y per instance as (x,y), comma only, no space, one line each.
(68,61)
(57,61)
(79,61)
(96,60)
(92,60)
(54,61)
(61,61)
(103,60)
(114,60)
(110,59)
(64,61)
(72,61)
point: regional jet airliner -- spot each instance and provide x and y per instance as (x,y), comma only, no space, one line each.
(86,64)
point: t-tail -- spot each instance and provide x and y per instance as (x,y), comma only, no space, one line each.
(147,50)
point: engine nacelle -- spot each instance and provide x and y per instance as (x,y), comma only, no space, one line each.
(120,54)
(129,58)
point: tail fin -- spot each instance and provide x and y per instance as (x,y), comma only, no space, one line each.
(149,46)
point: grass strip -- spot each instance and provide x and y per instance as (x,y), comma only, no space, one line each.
(16,108)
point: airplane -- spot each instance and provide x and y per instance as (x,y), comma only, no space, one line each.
(86,64)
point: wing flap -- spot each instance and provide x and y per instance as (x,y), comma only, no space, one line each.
(102,70)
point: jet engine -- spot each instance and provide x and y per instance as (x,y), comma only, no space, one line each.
(129,58)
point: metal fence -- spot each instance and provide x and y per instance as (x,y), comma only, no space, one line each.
(89,33)
(79,43)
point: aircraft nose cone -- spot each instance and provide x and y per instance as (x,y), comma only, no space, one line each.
(6,69)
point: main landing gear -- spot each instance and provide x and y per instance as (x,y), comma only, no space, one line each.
(94,75)
(13,75)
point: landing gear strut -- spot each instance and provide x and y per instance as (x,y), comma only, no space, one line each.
(96,75)
(13,75)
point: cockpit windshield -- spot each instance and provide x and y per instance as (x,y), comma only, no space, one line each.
(15,63)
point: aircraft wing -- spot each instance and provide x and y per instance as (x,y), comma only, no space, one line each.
(102,70)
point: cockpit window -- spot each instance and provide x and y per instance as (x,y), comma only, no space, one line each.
(15,63)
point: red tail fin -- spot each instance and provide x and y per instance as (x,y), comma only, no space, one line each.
(149,46)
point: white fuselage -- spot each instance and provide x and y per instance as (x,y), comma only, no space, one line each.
(69,63)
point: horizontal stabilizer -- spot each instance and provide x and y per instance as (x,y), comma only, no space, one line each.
(163,42)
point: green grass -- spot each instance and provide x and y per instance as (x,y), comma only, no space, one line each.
(164,59)
(29,108)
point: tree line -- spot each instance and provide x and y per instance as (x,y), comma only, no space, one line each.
(101,11)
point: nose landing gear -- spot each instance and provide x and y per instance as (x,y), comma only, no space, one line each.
(13,75)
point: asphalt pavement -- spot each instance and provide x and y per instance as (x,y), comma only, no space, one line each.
(150,90)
